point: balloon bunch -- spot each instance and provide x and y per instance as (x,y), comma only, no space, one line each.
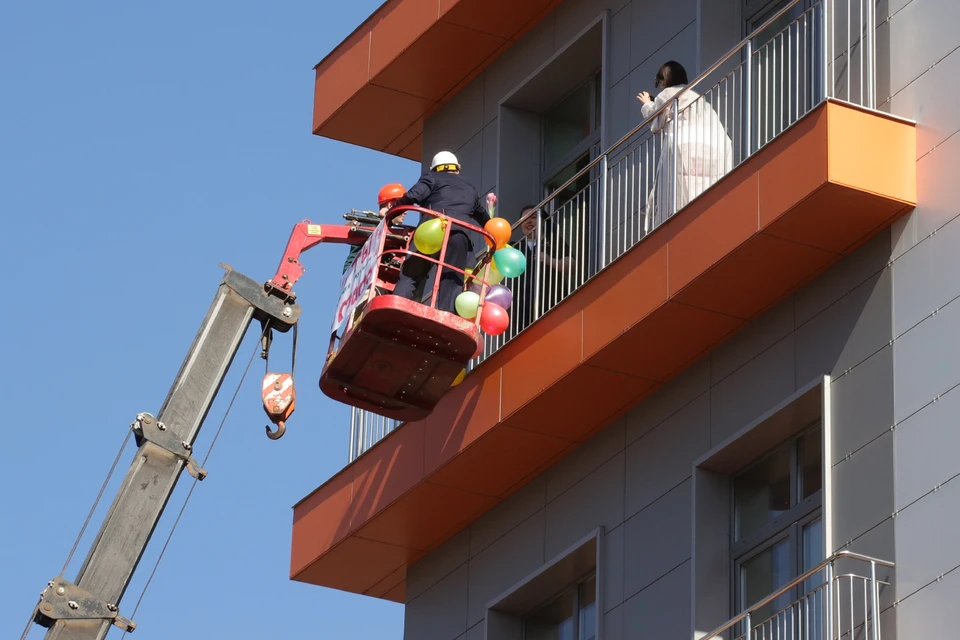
(507,263)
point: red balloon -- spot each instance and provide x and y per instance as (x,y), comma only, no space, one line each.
(493,319)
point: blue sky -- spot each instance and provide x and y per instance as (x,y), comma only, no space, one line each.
(140,145)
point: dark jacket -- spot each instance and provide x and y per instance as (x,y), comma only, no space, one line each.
(449,194)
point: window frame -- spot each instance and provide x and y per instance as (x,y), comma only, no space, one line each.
(575,588)
(787,526)
(548,173)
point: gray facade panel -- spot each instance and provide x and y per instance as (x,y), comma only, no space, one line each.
(925,29)
(662,610)
(930,612)
(926,538)
(678,45)
(518,62)
(493,525)
(668,400)
(752,390)
(929,358)
(613,624)
(572,16)
(753,340)
(847,332)
(589,457)
(595,501)
(863,490)
(619,50)
(653,25)
(491,142)
(662,459)
(503,564)
(927,444)
(938,119)
(476,632)
(936,177)
(438,564)
(611,574)
(440,613)
(657,540)
(925,277)
(620,116)
(454,122)
(862,403)
(851,272)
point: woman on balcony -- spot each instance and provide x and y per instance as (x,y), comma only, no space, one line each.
(705,150)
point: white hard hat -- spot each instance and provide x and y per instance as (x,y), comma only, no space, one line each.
(445,161)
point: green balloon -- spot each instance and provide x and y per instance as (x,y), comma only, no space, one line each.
(428,238)
(510,262)
(466,304)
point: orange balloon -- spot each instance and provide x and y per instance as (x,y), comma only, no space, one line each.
(500,229)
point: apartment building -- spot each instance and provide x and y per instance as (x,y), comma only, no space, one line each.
(731,410)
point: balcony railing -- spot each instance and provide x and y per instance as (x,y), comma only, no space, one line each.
(825,603)
(803,55)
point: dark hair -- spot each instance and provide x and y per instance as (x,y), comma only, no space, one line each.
(671,74)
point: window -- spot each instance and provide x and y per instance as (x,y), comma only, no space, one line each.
(571,137)
(777,522)
(570,616)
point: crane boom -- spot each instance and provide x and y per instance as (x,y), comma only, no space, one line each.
(86,609)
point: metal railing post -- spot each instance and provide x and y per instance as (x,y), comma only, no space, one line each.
(602,212)
(674,153)
(826,37)
(829,594)
(354,447)
(747,633)
(536,266)
(875,600)
(748,99)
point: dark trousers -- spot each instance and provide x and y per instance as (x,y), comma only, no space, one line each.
(415,271)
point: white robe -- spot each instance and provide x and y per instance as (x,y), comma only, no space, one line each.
(705,152)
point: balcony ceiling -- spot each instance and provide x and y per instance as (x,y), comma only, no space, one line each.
(377,87)
(816,193)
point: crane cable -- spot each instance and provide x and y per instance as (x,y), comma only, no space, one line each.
(156,565)
(113,467)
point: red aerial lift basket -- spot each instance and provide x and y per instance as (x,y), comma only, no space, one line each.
(396,357)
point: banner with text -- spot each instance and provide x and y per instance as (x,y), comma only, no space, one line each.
(360,277)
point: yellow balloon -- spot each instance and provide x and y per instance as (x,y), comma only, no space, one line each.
(428,238)
(494,276)
(459,378)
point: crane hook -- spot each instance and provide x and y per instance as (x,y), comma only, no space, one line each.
(279,401)
(276,435)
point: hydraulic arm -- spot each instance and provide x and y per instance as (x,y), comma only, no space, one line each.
(85,609)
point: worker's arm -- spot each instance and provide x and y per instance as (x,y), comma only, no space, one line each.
(480,212)
(418,192)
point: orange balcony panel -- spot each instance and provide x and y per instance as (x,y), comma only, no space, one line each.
(777,265)
(669,337)
(496,463)
(723,218)
(380,84)
(373,114)
(340,570)
(425,68)
(579,402)
(624,293)
(424,515)
(781,218)
(552,351)
(497,17)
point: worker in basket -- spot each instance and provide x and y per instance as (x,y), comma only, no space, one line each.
(441,189)
(386,200)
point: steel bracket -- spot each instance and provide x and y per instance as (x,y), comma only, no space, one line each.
(63,600)
(147,428)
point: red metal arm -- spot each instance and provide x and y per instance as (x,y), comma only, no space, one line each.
(304,236)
